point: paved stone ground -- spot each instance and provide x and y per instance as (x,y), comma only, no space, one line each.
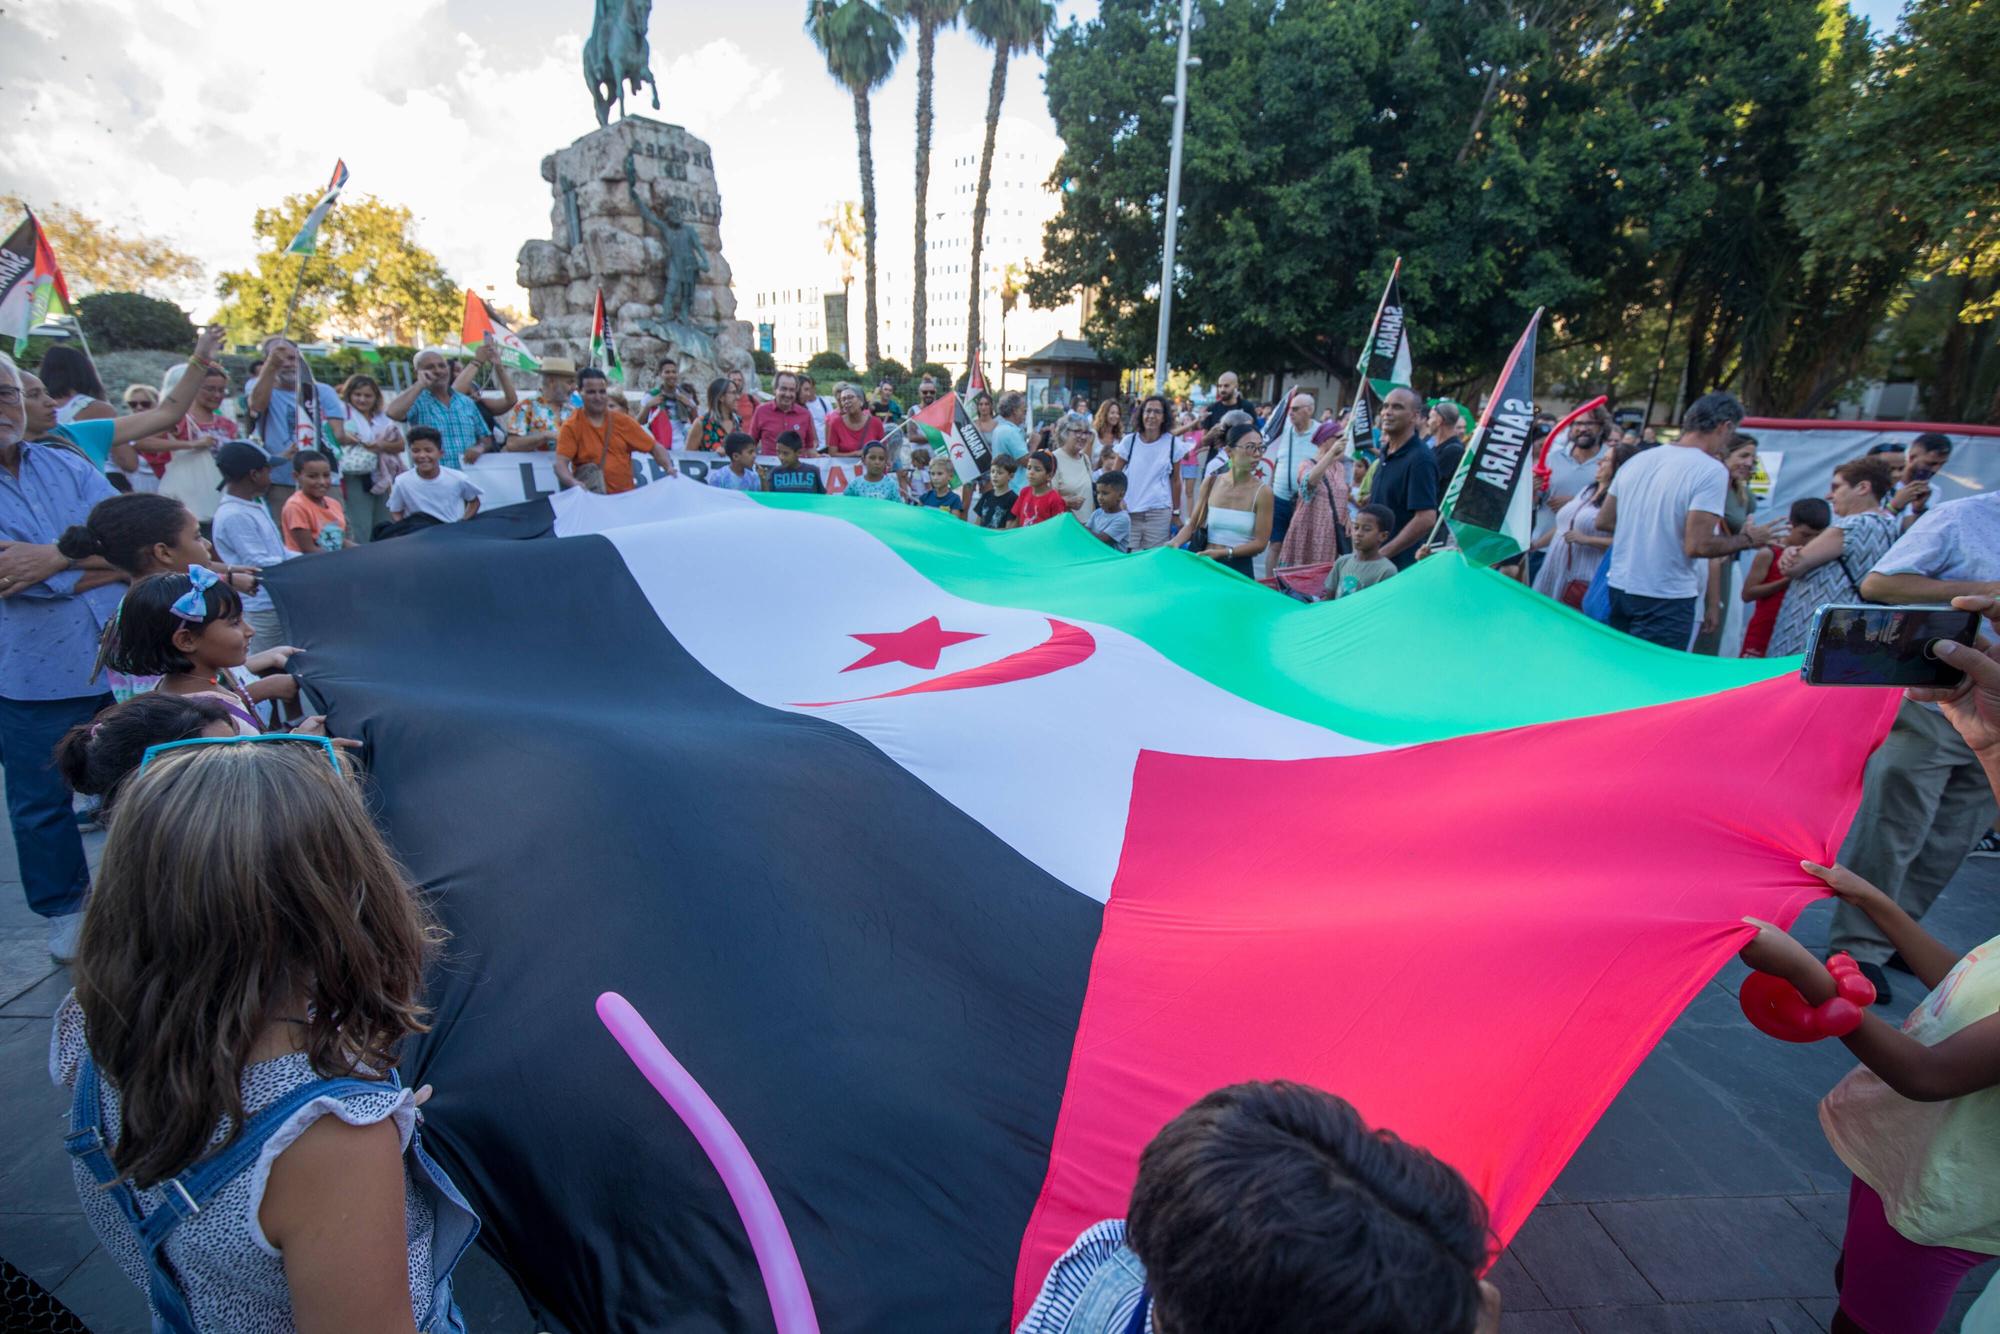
(1705,1202)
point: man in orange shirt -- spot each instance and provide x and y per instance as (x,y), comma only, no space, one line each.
(598,435)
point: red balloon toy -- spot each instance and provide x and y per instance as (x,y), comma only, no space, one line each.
(1775,1006)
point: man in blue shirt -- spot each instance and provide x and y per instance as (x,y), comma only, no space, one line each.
(435,400)
(51,614)
(273,404)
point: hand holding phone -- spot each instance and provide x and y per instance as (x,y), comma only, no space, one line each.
(1868,645)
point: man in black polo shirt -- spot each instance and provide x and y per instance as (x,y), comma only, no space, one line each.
(1406,480)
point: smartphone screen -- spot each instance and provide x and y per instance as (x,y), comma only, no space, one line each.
(1869,645)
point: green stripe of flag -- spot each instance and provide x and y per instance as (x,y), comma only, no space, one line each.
(1410,679)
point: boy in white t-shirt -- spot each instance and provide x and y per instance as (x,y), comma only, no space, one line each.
(443,493)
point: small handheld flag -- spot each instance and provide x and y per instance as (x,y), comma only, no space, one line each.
(949,431)
(481,323)
(1385,361)
(307,241)
(31,282)
(1490,503)
(604,352)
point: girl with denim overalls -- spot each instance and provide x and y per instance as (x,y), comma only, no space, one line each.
(250,957)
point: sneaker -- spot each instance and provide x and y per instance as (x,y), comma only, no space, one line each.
(1988,845)
(63,932)
(1873,972)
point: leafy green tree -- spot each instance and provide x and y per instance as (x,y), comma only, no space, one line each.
(1907,173)
(1649,171)
(1008,26)
(1322,142)
(928,17)
(860,44)
(369,277)
(97,257)
(122,321)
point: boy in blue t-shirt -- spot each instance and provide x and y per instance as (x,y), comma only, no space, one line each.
(741,473)
(942,495)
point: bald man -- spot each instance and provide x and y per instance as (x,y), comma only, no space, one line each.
(1406,480)
(1228,398)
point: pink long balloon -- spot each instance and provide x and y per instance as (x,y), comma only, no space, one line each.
(784,1282)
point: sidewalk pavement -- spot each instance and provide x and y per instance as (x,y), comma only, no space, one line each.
(1706,1201)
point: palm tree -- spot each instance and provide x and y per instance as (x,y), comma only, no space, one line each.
(1012,284)
(843,232)
(861,44)
(928,17)
(1007,26)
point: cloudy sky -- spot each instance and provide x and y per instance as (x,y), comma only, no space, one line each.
(182,117)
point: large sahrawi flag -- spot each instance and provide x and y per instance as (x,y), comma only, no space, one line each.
(944,860)
(1490,501)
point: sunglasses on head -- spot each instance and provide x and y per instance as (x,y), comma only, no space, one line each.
(325,743)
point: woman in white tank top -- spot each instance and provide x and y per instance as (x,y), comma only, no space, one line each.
(1235,508)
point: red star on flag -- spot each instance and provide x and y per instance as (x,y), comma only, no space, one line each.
(919,646)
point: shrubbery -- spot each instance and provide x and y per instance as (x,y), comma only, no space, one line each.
(123,321)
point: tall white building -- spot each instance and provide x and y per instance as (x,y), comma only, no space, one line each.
(1019,204)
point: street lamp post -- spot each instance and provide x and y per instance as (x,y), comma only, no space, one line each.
(1179,101)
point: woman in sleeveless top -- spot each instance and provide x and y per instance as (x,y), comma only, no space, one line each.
(191,476)
(1233,513)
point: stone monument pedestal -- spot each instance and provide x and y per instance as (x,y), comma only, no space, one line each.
(635,212)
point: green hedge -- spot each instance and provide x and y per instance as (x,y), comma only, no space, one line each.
(131,321)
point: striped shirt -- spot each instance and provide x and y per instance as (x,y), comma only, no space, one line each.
(1093,1289)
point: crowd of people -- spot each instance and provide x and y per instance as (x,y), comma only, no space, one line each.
(234,986)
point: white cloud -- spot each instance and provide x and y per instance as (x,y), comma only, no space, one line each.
(183,117)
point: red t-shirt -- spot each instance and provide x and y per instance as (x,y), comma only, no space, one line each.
(1032,509)
(844,439)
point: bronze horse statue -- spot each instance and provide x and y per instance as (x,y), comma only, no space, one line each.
(617,55)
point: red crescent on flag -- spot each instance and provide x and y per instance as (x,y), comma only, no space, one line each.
(1066,646)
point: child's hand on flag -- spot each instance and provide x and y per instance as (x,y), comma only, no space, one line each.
(1846,886)
(1772,951)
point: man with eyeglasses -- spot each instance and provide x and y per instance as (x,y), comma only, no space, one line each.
(52,611)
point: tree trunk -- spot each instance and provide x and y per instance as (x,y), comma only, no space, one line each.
(1479,117)
(919,306)
(994,94)
(867,155)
